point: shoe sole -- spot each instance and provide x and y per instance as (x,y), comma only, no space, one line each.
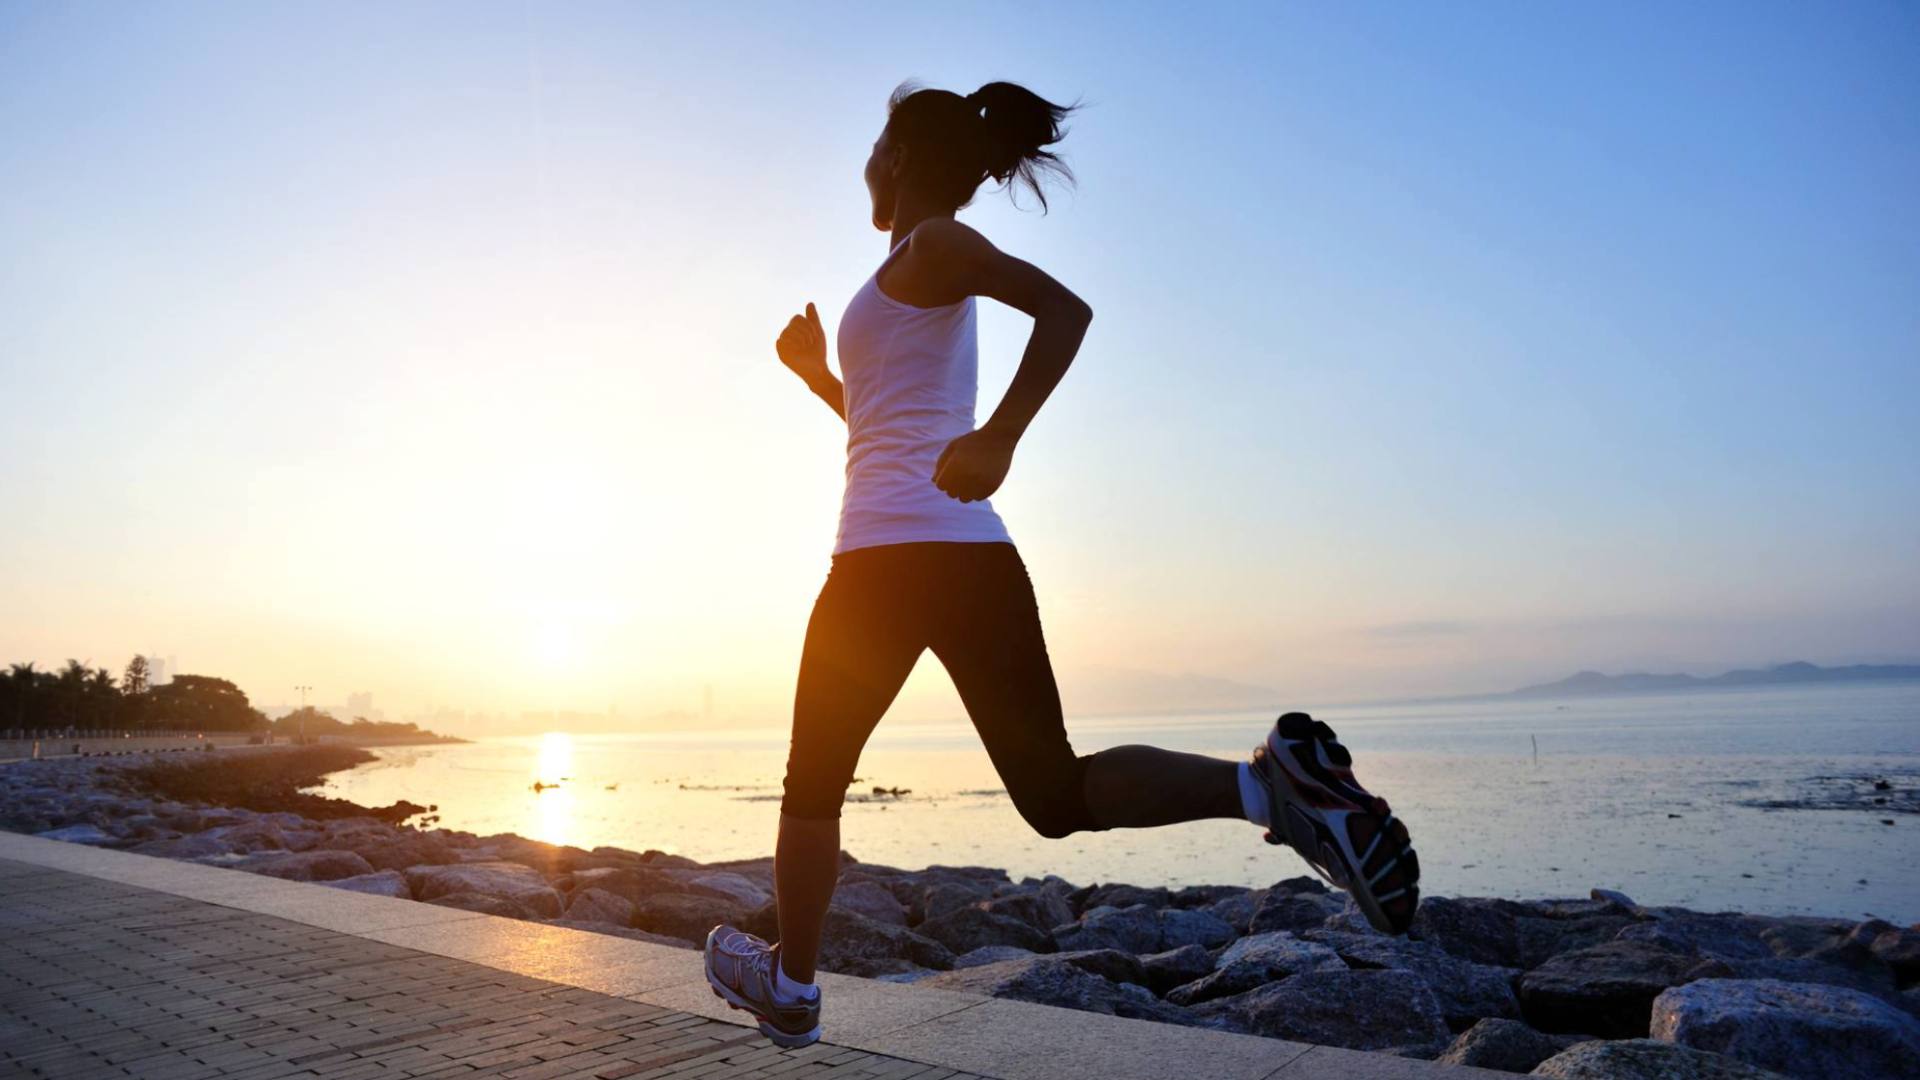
(785,1040)
(1346,868)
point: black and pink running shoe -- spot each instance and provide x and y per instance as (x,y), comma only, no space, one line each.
(1346,833)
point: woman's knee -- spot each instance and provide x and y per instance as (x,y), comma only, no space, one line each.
(1055,804)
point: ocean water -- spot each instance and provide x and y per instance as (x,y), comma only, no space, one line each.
(1662,796)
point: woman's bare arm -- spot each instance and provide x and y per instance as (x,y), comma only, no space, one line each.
(955,260)
(803,348)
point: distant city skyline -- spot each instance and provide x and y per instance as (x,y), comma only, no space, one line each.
(1435,351)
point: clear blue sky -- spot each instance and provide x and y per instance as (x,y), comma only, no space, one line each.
(427,348)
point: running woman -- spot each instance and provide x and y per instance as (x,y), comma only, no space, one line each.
(923,562)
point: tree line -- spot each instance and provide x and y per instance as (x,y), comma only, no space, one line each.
(82,698)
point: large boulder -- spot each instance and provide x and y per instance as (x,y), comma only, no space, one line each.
(1057,980)
(1121,967)
(308,865)
(1124,896)
(1467,991)
(867,898)
(399,852)
(380,883)
(1899,948)
(1237,911)
(1606,990)
(1800,1029)
(510,881)
(1166,970)
(1178,927)
(726,885)
(1255,961)
(941,897)
(850,940)
(1540,939)
(969,928)
(1292,911)
(630,883)
(1506,1045)
(1472,928)
(1726,936)
(600,906)
(1360,1010)
(1041,909)
(1134,929)
(687,916)
(1644,1059)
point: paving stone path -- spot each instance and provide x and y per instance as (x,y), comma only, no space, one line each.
(100,979)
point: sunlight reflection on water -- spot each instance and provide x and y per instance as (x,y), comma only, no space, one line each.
(1649,794)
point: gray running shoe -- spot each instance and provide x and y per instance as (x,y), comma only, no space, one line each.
(1345,832)
(740,968)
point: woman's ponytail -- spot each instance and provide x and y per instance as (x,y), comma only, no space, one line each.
(1020,125)
(1001,131)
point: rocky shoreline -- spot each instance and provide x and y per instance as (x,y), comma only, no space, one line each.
(1590,987)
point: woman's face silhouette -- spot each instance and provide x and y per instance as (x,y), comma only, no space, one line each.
(883,179)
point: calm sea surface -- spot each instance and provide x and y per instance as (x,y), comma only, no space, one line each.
(1656,795)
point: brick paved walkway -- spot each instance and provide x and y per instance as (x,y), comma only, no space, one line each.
(102,979)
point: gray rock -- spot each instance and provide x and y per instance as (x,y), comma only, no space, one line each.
(1042,910)
(1205,896)
(990,954)
(1727,936)
(1056,980)
(399,852)
(1803,936)
(1133,929)
(1540,939)
(81,834)
(1237,911)
(872,900)
(507,880)
(1606,990)
(249,837)
(1506,1045)
(1899,949)
(1256,961)
(198,846)
(728,886)
(1360,1010)
(688,916)
(1126,896)
(1166,970)
(969,928)
(1799,1029)
(1467,991)
(850,939)
(1201,928)
(1292,911)
(1472,928)
(1875,979)
(1110,964)
(380,883)
(944,896)
(599,906)
(307,865)
(1644,1059)
(630,883)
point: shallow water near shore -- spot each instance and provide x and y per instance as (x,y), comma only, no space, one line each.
(1673,798)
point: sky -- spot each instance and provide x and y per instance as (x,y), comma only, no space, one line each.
(426,349)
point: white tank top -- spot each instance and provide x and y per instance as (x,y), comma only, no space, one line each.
(911,377)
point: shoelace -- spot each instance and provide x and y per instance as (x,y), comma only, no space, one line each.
(755,953)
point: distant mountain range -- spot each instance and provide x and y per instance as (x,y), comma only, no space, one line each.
(1592,682)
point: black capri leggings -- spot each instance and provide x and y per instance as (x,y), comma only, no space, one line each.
(972,604)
